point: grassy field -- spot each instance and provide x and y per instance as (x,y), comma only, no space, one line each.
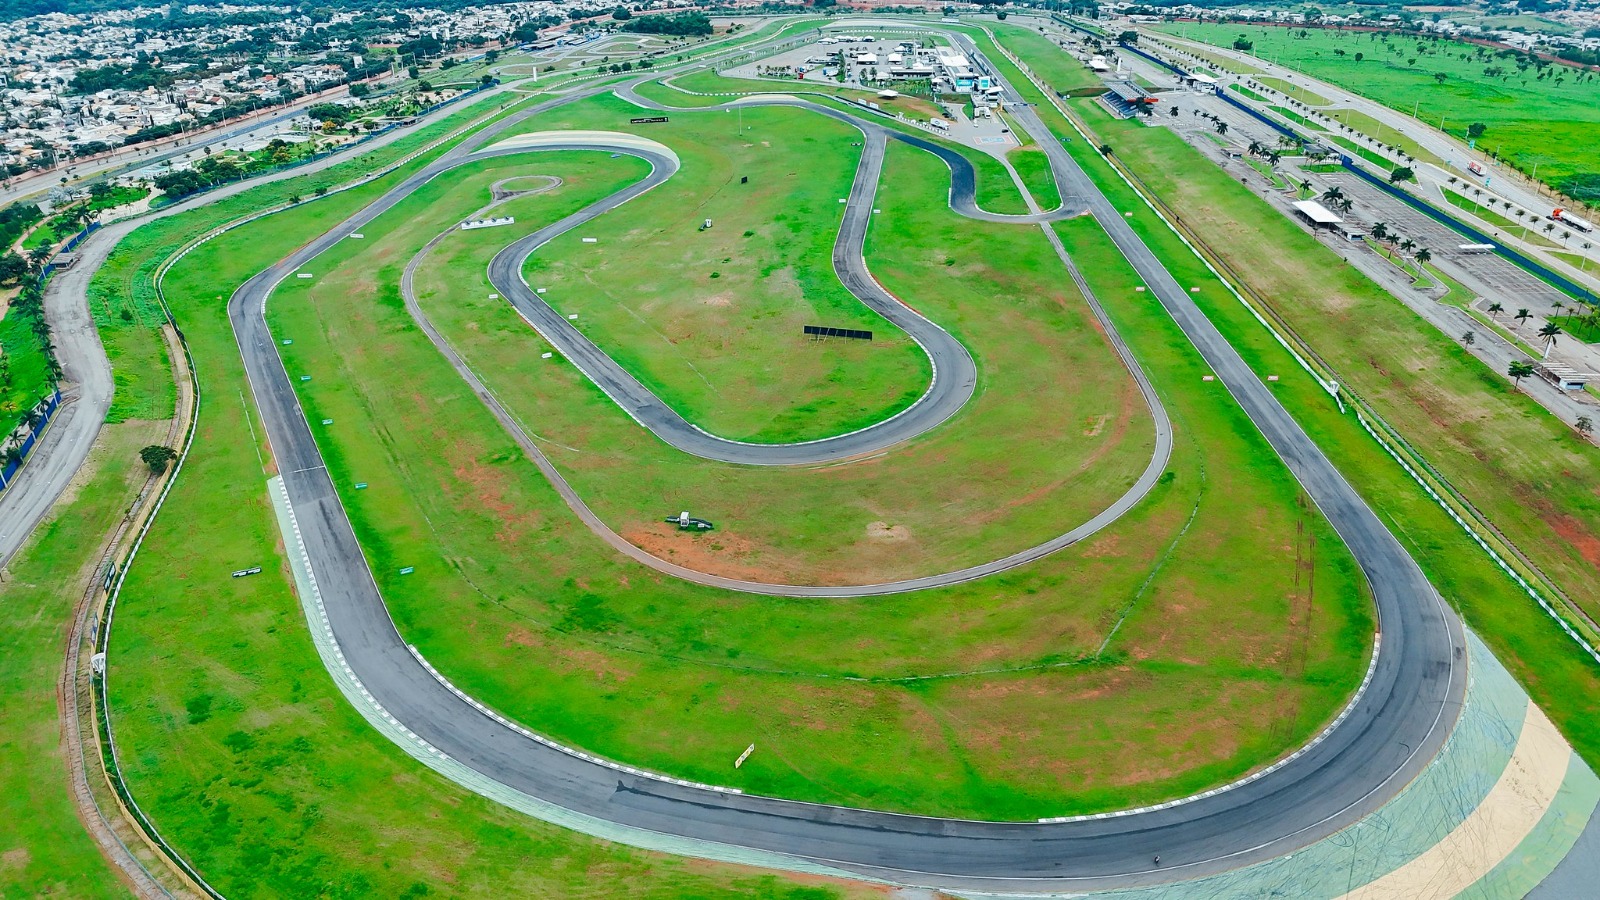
(1534,115)
(615,659)
(235,740)
(915,510)
(44,850)
(1033,167)
(1057,68)
(708,81)
(995,191)
(711,319)
(1529,473)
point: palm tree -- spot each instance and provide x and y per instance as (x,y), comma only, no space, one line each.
(1496,308)
(1469,339)
(1407,244)
(1379,231)
(1333,194)
(1523,316)
(1423,256)
(1549,332)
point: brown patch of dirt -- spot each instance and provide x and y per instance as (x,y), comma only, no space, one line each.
(1096,425)
(1104,545)
(1578,535)
(723,553)
(15,859)
(883,531)
(573,656)
(723,299)
(486,487)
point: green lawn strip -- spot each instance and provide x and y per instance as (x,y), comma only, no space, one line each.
(1419,278)
(1583,328)
(1483,212)
(1384,134)
(45,849)
(1289,89)
(922,508)
(1533,115)
(1244,91)
(1365,152)
(1033,167)
(1267,172)
(1529,447)
(1296,118)
(712,320)
(27,370)
(519,606)
(1576,260)
(234,739)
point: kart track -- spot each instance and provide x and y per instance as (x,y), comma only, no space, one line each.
(1393,728)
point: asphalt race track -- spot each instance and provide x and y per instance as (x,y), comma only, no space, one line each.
(505,271)
(1392,729)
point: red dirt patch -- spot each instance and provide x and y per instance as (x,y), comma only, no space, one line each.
(1578,535)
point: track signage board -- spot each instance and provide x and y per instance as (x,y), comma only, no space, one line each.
(648,120)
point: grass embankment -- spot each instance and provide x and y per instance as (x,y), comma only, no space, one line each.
(545,625)
(1244,91)
(44,850)
(234,739)
(27,370)
(1525,470)
(712,320)
(1534,115)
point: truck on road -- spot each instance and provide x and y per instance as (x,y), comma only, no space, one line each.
(1571,221)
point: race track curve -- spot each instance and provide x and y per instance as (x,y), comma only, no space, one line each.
(1396,725)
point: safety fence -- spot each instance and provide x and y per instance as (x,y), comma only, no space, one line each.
(17,452)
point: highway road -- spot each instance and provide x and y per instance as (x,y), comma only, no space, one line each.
(86,373)
(1399,720)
